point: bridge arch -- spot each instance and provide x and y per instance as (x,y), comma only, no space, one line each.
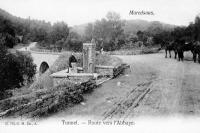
(43,67)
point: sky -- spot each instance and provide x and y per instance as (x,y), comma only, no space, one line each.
(75,12)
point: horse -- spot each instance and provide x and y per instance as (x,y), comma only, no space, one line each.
(179,49)
(196,51)
(170,47)
(183,46)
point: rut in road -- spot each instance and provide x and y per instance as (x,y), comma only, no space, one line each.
(122,108)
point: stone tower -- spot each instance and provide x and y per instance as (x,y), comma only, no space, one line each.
(89,57)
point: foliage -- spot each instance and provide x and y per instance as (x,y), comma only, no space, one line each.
(107,31)
(15,69)
(142,36)
(27,67)
(162,38)
(188,33)
(7,33)
(73,42)
(10,70)
(153,27)
(59,31)
(196,28)
(31,30)
(112,33)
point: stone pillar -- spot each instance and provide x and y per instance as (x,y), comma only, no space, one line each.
(89,57)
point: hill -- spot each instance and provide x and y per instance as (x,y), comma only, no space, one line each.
(80,29)
(133,26)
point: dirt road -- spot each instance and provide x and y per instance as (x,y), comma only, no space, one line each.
(171,88)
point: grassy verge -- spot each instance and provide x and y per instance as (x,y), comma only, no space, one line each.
(39,48)
(145,50)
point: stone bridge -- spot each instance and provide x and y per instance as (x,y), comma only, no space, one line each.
(43,60)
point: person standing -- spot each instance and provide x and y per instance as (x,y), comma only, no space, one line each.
(72,64)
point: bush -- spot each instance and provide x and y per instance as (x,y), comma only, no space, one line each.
(27,67)
(7,33)
(109,46)
(73,45)
(10,70)
(14,70)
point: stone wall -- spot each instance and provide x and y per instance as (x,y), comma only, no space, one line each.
(105,71)
(44,102)
(109,71)
(59,80)
(120,69)
(71,80)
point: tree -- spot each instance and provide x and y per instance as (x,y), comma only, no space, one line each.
(115,24)
(59,31)
(197,28)
(7,32)
(155,28)
(162,38)
(89,32)
(9,69)
(142,37)
(73,42)
(133,38)
(27,67)
(14,69)
(107,31)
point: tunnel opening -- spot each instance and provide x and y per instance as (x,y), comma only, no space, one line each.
(43,67)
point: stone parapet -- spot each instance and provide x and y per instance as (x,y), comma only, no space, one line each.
(46,101)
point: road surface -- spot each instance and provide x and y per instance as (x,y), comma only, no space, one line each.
(174,89)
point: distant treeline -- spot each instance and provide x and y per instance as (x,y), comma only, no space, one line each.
(111,33)
(15,29)
(188,33)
